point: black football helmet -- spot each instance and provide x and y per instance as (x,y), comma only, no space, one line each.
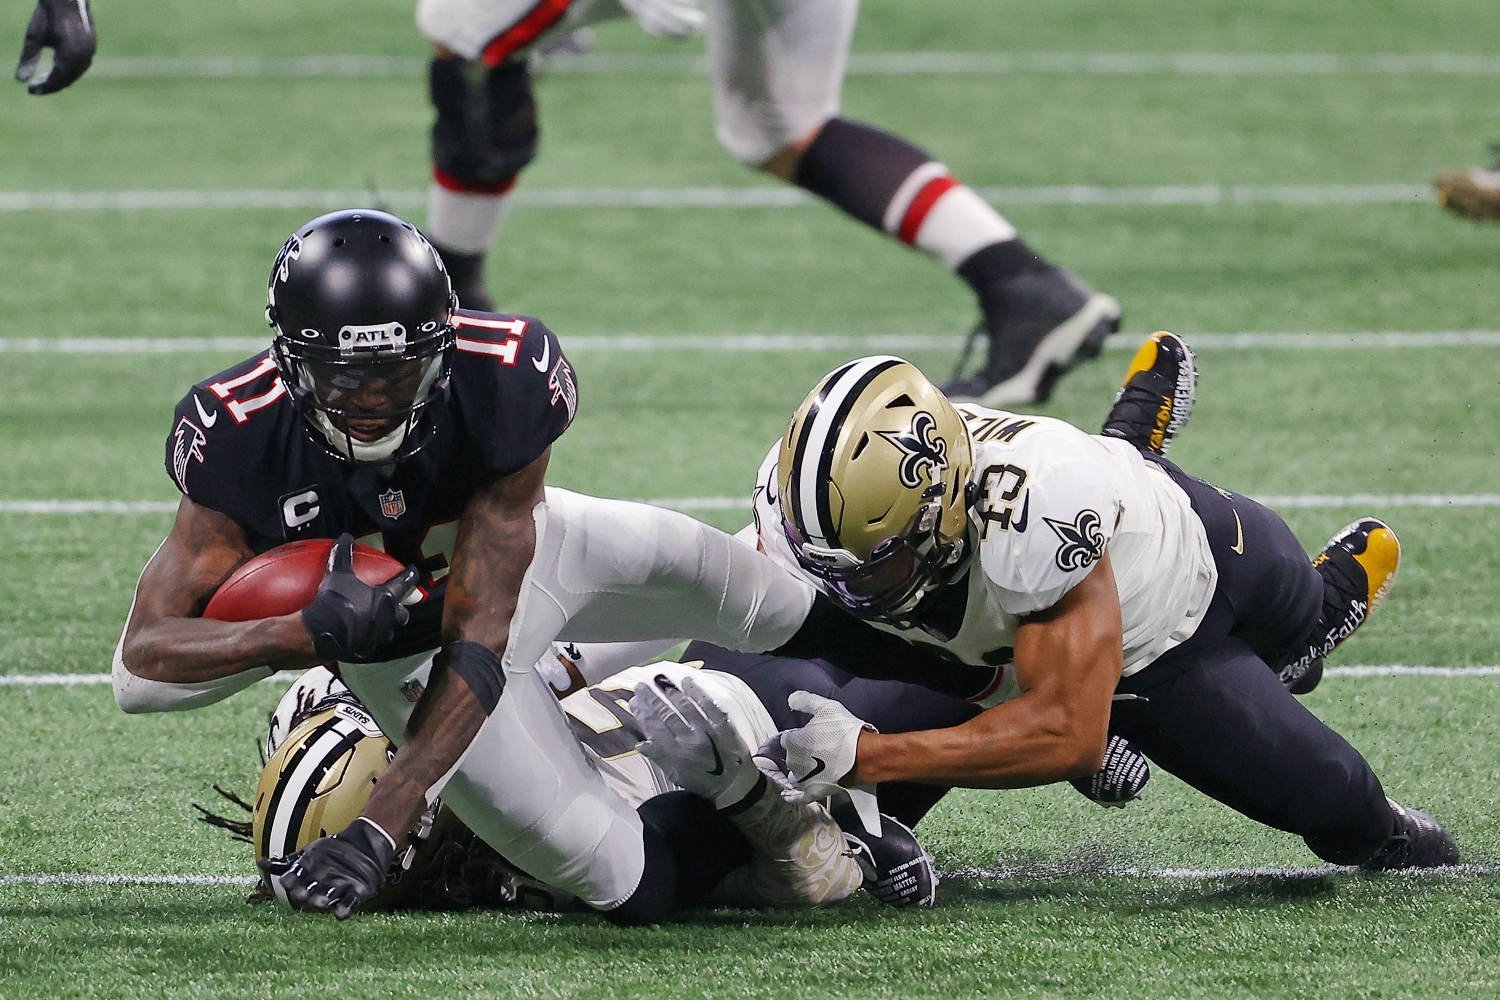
(363,311)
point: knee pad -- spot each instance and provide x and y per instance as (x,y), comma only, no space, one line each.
(486,128)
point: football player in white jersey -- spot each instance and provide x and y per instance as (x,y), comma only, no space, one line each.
(1099,590)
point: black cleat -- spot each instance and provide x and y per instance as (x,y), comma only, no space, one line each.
(1041,323)
(898,870)
(467,272)
(1154,404)
(1419,841)
(1358,566)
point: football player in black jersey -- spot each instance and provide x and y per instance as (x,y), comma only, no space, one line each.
(382,412)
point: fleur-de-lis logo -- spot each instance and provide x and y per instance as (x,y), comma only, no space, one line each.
(1082,540)
(921,450)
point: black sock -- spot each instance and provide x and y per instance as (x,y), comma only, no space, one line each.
(988,269)
(467,273)
(858,168)
(690,848)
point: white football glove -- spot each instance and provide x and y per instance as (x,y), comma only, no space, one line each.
(808,763)
(692,740)
(667,18)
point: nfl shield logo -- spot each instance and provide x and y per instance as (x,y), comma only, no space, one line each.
(392,504)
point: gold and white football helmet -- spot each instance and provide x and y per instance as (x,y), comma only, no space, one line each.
(872,476)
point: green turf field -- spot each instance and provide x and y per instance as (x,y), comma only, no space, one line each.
(88,790)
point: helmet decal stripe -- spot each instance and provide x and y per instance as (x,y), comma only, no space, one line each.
(843,391)
(799,455)
(323,750)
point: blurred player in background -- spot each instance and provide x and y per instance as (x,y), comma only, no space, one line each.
(1473,193)
(777,69)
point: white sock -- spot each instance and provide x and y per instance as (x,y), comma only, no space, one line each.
(465,221)
(949,220)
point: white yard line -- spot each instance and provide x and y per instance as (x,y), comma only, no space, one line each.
(1362,671)
(1310,501)
(81,878)
(1127,872)
(1210,874)
(711,197)
(860,64)
(787,342)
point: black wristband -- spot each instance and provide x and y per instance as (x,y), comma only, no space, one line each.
(478,665)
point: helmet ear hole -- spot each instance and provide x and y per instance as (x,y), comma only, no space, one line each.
(338,241)
(859,448)
(901,400)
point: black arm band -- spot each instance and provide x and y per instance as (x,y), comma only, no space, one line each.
(832,634)
(478,665)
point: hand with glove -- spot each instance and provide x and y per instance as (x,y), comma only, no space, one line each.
(693,741)
(808,763)
(667,18)
(349,619)
(338,873)
(67,28)
(1122,779)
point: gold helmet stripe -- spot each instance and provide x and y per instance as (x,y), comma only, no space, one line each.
(820,434)
(320,751)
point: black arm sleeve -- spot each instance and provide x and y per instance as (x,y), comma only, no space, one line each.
(832,634)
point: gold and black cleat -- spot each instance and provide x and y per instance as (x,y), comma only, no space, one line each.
(1154,403)
(1358,566)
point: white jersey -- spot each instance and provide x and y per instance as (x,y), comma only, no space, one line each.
(1051,501)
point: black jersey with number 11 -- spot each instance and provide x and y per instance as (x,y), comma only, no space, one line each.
(239,446)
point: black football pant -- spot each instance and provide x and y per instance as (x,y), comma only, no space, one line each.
(889,706)
(1213,713)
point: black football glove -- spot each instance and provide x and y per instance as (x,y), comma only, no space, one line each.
(67,28)
(349,619)
(338,873)
(1122,778)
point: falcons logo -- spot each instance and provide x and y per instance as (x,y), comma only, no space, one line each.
(188,446)
(1082,540)
(921,450)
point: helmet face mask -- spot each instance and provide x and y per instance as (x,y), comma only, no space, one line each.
(362,308)
(873,472)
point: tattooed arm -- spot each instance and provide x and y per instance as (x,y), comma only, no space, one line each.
(496,540)
(167,640)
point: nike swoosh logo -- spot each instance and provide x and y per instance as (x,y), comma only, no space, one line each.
(540,364)
(718,761)
(209,419)
(1019,524)
(1238,548)
(817,769)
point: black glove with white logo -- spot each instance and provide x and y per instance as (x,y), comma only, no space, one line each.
(67,28)
(338,873)
(1122,778)
(349,619)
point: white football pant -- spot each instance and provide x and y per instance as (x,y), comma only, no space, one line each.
(777,65)
(603,570)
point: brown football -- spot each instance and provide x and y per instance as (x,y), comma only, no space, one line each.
(285,579)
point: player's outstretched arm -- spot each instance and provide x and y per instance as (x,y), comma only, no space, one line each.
(166,640)
(67,28)
(1068,660)
(496,540)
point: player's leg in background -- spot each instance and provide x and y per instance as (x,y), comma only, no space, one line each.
(778,68)
(485,131)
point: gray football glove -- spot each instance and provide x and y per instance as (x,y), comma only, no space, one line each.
(692,740)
